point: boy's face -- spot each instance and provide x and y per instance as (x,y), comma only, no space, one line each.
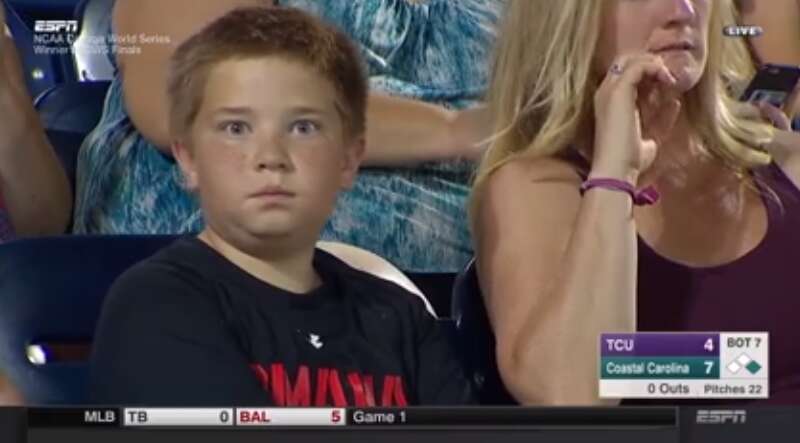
(268,153)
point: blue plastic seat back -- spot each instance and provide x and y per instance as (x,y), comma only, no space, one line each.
(51,293)
(69,112)
(475,339)
(93,50)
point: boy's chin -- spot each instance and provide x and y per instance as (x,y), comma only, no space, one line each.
(274,230)
(270,230)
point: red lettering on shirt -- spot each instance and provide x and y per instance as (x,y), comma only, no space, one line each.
(279,382)
(262,375)
(393,392)
(362,389)
(339,400)
(329,390)
(322,387)
(301,394)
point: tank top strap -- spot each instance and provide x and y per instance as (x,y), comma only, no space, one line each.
(578,161)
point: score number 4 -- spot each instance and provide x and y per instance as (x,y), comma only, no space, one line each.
(709,346)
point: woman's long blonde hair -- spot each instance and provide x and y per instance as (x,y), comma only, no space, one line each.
(542,87)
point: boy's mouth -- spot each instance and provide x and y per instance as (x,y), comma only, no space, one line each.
(272,192)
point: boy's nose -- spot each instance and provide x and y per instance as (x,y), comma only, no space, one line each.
(273,156)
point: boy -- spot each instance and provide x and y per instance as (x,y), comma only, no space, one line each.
(267,112)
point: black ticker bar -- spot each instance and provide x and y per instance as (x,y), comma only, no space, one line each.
(516,417)
(12,425)
(74,417)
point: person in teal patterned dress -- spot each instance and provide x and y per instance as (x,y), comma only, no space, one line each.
(408,205)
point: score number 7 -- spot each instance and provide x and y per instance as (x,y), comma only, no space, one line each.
(709,346)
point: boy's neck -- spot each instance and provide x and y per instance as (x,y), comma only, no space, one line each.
(292,271)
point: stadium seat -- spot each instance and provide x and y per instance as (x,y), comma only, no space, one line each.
(475,340)
(437,287)
(91,49)
(51,292)
(72,107)
(69,112)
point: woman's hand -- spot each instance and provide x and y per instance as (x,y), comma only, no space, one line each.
(634,108)
(775,116)
(785,145)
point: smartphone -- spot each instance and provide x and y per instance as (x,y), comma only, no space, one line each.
(775,84)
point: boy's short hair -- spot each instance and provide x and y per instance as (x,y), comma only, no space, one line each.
(262,32)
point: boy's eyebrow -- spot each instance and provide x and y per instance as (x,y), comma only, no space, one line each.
(243,110)
(306,110)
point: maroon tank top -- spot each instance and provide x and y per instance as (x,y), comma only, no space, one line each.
(758,292)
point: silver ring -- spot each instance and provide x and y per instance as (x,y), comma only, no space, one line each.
(616,69)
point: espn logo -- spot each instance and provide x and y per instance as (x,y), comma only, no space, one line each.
(721,416)
(55,26)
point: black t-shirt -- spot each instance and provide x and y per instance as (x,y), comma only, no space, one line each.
(187,327)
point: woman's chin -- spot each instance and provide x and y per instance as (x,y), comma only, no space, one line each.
(686,76)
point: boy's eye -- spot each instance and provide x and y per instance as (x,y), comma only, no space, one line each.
(304,127)
(236,128)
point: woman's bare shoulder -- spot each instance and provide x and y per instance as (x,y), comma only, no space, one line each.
(523,171)
(525,189)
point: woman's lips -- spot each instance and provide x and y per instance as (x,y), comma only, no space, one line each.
(673,47)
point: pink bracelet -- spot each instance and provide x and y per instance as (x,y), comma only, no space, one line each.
(645,196)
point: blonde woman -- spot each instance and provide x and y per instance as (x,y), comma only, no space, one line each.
(622,192)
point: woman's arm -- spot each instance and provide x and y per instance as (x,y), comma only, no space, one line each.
(780,42)
(556,271)
(35,187)
(400,132)
(144,74)
(404,132)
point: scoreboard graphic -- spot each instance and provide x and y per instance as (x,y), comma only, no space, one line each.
(233,417)
(344,418)
(719,365)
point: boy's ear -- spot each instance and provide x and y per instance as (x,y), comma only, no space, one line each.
(183,156)
(353,155)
